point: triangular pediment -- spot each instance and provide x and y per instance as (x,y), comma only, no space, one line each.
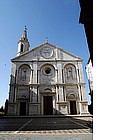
(46,52)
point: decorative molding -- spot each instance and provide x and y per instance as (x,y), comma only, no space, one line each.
(46,52)
(56,60)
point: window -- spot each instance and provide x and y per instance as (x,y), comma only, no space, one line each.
(23,74)
(47,71)
(69,72)
(21,49)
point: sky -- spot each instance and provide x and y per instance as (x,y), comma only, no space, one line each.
(56,20)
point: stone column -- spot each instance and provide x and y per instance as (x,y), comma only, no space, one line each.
(79,92)
(34,105)
(63,76)
(31,76)
(56,89)
(15,94)
(34,73)
(59,73)
(57,100)
(81,74)
(30,94)
(77,74)
(61,96)
(34,94)
(56,76)
(83,92)
(37,76)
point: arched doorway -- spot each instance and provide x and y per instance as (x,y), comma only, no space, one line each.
(73,109)
(23,106)
(48,105)
(22,109)
(72,98)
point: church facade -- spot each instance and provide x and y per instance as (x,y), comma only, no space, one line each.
(46,80)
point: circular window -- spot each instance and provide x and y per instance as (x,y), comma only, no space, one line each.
(47,71)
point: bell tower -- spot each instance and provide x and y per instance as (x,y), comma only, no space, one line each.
(23,43)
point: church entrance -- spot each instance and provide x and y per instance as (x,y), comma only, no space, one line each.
(22,108)
(48,105)
(73,107)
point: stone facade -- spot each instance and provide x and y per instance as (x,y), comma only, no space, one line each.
(46,80)
(89,70)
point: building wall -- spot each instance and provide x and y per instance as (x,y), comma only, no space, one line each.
(89,70)
(60,78)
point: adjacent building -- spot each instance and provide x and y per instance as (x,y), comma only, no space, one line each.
(89,70)
(86,18)
(46,80)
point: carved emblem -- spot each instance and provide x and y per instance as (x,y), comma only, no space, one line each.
(46,52)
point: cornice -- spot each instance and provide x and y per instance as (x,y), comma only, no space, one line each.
(35,60)
(56,84)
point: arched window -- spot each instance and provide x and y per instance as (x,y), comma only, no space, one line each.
(47,74)
(47,71)
(24,74)
(21,49)
(70,73)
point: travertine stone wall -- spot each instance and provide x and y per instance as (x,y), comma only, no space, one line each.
(47,71)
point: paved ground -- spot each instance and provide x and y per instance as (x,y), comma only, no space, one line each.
(43,125)
(46,137)
(50,128)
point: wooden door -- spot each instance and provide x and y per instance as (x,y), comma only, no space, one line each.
(48,105)
(73,107)
(22,108)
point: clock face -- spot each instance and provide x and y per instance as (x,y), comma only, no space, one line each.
(46,52)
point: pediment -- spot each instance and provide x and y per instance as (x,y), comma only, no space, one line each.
(46,52)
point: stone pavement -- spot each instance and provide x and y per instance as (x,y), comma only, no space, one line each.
(46,137)
(63,125)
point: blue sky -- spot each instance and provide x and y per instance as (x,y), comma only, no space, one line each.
(58,20)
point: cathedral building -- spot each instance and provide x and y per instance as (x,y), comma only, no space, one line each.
(46,80)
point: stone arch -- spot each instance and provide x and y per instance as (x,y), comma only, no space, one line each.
(71,96)
(23,97)
(48,90)
(24,72)
(48,64)
(70,73)
(47,73)
(72,103)
(24,64)
(69,64)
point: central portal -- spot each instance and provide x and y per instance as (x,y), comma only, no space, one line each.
(73,107)
(48,105)
(22,108)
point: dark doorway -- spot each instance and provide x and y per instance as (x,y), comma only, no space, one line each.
(73,107)
(22,108)
(48,105)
